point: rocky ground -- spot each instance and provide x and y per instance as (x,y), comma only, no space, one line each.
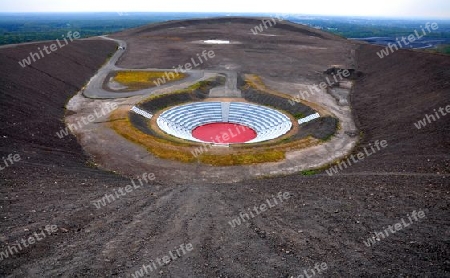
(326,219)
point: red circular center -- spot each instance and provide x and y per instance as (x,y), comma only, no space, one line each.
(224,133)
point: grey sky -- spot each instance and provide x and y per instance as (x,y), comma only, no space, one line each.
(386,8)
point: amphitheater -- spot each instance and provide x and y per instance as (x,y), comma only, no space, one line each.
(173,122)
(223,143)
(182,120)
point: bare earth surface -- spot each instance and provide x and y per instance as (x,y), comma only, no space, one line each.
(325,220)
(113,152)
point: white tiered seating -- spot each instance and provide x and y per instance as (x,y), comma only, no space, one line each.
(268,123)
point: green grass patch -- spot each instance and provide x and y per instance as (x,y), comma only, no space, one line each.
(311,172)
(298,116)
(135,80)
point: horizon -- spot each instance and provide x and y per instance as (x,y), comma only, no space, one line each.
(237,14)
(408,9)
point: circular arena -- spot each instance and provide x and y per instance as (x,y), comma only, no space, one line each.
(224,122)
(255,125)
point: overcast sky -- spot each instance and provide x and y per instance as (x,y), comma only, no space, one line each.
(385,8)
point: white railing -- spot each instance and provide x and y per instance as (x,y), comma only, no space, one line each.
(141,112)
(308,118)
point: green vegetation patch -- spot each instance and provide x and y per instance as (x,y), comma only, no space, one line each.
(137,80)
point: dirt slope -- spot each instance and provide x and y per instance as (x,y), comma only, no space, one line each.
(398,91)
(326,219)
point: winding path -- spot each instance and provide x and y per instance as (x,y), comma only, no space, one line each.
(94,89)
